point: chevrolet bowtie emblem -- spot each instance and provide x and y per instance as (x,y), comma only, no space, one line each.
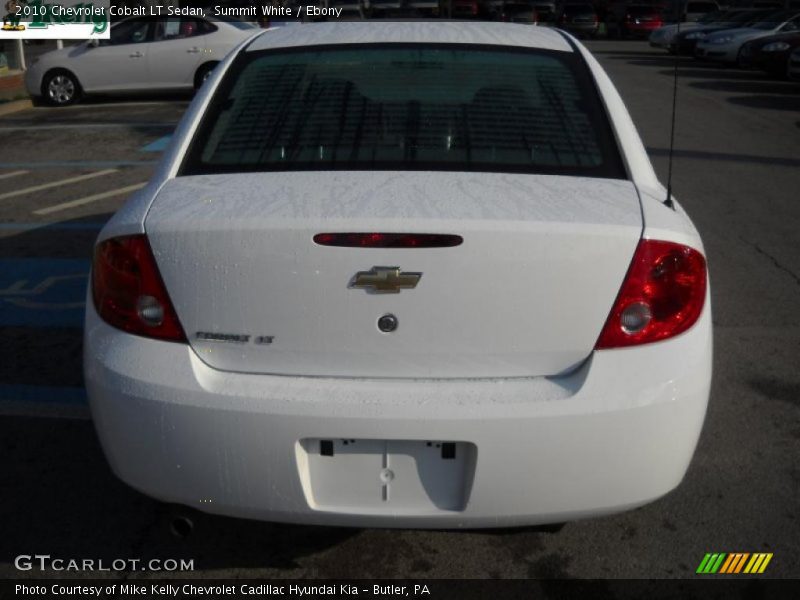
(385,280)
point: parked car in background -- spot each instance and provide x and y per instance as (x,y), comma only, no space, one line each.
(428,8)
(634,20)
(725,46)
(579,19)
(694,10)
(463,9)
(382,8)
(684,43)
(519,11)
(770,53)
(540,350)
(142,55)
(492,9)
(664,35)
(545,9)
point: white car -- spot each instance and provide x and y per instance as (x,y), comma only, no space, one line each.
(142,54)
(402,275)
(725,46)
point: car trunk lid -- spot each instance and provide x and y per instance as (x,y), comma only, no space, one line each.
(525,294)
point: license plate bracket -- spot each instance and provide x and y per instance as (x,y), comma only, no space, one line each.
(386,476)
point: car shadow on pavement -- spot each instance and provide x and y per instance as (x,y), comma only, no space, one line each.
(641,58)
(694,71)
(655,61)
(773,161)
(623,53)
(791,103)
(58,495)
(748,87)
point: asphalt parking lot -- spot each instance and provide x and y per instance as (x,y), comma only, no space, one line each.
(63,172)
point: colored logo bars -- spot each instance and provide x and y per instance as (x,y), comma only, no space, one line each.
(734,563)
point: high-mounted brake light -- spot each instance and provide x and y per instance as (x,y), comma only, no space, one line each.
(388,240)
(662,295)
(128,291)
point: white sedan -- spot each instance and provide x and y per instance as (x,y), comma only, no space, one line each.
(402,275)
(142,54)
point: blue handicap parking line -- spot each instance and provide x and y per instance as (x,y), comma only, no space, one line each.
(42,394)
(48,292)
(158,146)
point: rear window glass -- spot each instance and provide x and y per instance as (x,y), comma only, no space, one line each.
(404,107)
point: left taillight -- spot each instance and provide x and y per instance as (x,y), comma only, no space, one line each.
(128,291)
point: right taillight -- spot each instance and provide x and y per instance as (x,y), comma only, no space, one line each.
(662,295)
(128,291)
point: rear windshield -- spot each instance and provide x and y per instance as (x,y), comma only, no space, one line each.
(406,107)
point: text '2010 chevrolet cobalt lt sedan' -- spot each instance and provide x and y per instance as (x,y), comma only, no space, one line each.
(404,275)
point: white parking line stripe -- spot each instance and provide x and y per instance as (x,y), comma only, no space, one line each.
(12,174)
(52,184)
(88,199)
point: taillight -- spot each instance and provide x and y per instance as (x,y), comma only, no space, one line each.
(128,291)
(388,240)
(662,295)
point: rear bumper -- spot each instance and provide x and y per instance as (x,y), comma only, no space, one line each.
(617,433)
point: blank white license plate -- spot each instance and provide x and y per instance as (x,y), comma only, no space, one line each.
(391,476)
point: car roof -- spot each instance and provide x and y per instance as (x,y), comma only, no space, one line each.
(441,32)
